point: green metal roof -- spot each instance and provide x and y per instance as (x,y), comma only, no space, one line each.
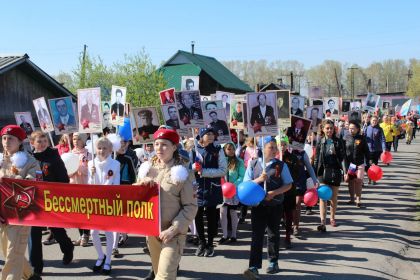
(173,73)
(211,66)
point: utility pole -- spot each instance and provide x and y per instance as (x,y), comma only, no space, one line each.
(83,69)
(192,47)
(338,83)
(352,81)
(409,76)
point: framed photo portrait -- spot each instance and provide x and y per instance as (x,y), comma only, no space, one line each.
(315,114)
(171,118)
(167,96)
(43,115)
(297,105)
(332,107)
(146,121)
(89,109)
(189,108)
(190,83)
(24,120)
(217,120)
(118,99)
(63,114)
(236,118)
(262,113)
(298,132)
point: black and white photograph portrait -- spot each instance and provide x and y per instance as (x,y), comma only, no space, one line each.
(211,105)
(297,105)
(24,120)
(43,114)
(355,116)
(171,118)
(89,109)
(226,98)
(63,115)
(189,108)
(118,99)
(345,105)
(314,113)
(217,120)
(262,113)
(190,83)
(146,120)
(355,105)
(371,102)
(331,106)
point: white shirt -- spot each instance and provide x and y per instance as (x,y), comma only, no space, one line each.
(263,109)
(64,120)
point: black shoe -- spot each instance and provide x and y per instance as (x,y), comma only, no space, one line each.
(222,240)
(322,228)
(68,257)
(97,268)
(209,251)
(146,250)
(233,240)
(49,241)
(241,221)
(123,240)
(35,276)
(273,268)
(200,250)
(106,270)
(151,275)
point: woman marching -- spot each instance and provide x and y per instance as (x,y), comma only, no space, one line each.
(235,175)
(329,165)
(209,193)
(357,153)
(176,195)
(15,163)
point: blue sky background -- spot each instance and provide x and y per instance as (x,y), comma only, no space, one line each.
(356,31)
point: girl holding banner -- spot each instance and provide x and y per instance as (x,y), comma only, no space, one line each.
(176,195)
(15,163)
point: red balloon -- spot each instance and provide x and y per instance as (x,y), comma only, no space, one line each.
(228,190)
(375,173)
(386,157)
(310,198)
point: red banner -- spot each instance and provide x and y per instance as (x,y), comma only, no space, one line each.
(130,209)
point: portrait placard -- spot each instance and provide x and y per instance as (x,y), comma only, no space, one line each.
(24,120)
(217,120)
(314,113)
(236,115)
(171,118)
(63,115)
(118,99)
(332,107)
(167,96)
(262,113)
(43,115)
(226,98)
(315,92)
(89,110)
(190,83)
(371,102)
(189,108)
(297,105)
(298,132)
(146,121)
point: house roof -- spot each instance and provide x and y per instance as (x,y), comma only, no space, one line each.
(173,73)
(402,93)
(212,67)
(10,62)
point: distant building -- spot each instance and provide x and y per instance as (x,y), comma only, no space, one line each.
(21,81)
(214,76)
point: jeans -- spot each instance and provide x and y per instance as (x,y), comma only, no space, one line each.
(212,215)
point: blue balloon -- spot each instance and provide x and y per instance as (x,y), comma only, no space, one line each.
(250,193)
(125,130)
(325,192)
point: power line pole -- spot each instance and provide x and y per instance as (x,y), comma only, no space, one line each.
(352,81)
(83,69)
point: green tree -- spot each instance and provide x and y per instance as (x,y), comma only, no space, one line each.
(414,82)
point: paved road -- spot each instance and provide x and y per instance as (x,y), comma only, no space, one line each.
(381,241)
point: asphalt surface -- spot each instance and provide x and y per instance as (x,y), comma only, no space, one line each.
(381,241)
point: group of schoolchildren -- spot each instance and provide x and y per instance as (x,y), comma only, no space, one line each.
(283,172)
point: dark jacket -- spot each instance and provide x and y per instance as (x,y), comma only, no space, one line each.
(321,157)
(357,151)
(52,166)
(128,163)
(267,119)
(209,191)
(375,138)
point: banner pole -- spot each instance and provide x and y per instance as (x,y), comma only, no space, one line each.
(51,139)
(93,155)
(264,165)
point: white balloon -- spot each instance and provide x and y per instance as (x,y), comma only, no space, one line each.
(308,150)
(71,161)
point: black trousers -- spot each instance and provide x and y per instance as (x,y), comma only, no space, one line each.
(374,157)
(388,146)
(263,217)
(35,246)
(212,215)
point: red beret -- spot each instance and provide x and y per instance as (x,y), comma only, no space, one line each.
(14,130)
(168,134)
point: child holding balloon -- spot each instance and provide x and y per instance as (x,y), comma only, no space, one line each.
(272,175)
(235,175)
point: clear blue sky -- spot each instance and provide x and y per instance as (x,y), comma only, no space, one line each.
(354,31)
